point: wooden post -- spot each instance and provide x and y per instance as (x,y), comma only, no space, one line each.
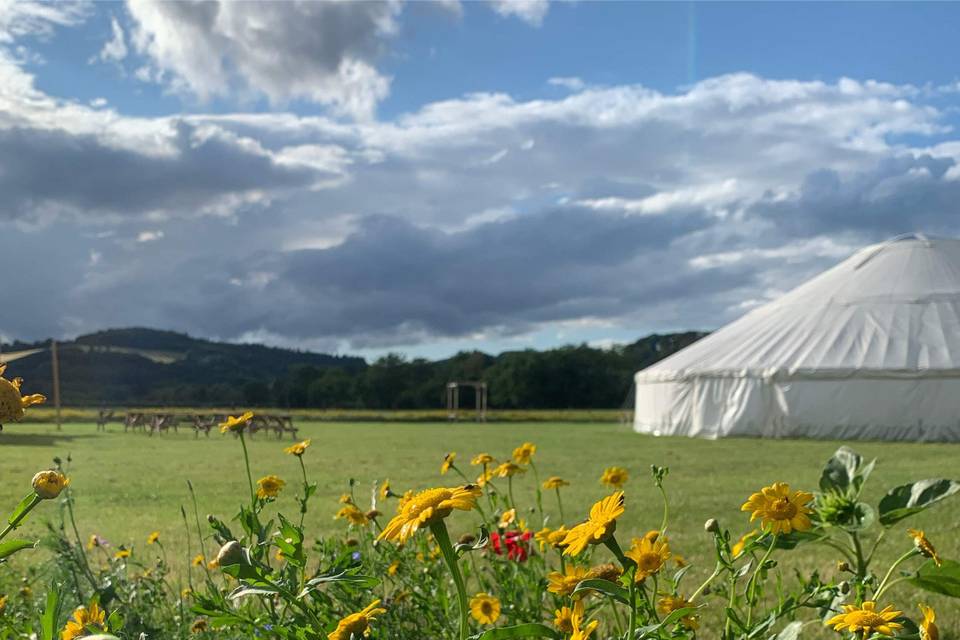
(56,381)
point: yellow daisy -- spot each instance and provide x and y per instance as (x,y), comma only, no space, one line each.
(576,620)
(269,487)
(650,555)
(238,423)
(564,583)
(448,462)
(615,477)
(599,525)
(607,571)
(93,542)
(741,544)
(3,604)
(508,469)
(485,608)
(551,537)
(928,626)
(393,568)
(781,510)
(356,625)
(153,537)
(555,482)
(199,625)
(481,459)
(49,484)
(121,554)
(668,604)
(12,403)
(428,507)
(563,620)
(484,477)
(923,545)
(83,618)
(524,453)
(867,619)
(298,449)
(353,515)
(507,518)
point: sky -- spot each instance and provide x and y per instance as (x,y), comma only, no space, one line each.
(429,177)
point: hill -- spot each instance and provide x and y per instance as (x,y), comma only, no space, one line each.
(144,367)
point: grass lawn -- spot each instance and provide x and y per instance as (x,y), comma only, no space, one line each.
(128,485)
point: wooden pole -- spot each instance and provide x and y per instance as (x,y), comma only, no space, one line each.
(56,380)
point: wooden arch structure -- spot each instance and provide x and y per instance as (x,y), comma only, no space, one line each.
(453,398)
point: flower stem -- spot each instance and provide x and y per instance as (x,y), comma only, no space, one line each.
(883,583)
(442,536)
(560,506)
(752,584)
(306,490)
(246,461)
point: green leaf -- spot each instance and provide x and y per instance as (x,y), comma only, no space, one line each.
(794,538)
(944,579)
(907,499)
(845,472)
(863,517)
(791,631)
(530,630)
(48,621)
(240,592)
(19,514)
(115,621)
(605,587)
(10,547)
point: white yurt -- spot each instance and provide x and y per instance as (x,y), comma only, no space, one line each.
(869,349)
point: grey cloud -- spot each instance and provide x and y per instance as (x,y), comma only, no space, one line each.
(43,169)
(898,195)
(392,282)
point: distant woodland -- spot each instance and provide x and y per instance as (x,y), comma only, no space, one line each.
(147,367)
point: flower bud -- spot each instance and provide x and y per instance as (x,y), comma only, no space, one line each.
(373,514)
(211,518)
(842,565)
(352,542)
(844,587)
(48,484)
(711,526)
(467,539)
(230,553)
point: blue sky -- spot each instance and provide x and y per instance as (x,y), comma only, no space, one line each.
(431,177)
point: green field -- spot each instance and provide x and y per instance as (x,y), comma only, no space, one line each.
(129,484)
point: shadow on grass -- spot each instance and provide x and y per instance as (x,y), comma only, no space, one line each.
(13,439)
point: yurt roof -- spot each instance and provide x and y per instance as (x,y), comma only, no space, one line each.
(890,309)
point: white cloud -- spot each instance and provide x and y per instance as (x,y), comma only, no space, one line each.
(149,236)
(530,11)
(324,52)
(115,49)
(568,82)
(19,18)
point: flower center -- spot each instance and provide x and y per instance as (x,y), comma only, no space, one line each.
(427,499)
(866,619)
(649,561)
(486,607)
(783,509)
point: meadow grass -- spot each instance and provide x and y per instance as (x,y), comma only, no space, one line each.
(128,484)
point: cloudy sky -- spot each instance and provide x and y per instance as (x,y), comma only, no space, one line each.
(429,177)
